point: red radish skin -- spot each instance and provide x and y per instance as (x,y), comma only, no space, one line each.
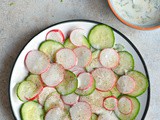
(73,41)
(130,104)
(116,104)
(67,59)
(70,104)
(79,56)
(57,31)
(90,82)
(133,83)
(34,97)
(59,80)
(47,66)
(116,54)
(114,78)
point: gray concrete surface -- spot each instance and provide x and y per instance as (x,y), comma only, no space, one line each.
(20,20)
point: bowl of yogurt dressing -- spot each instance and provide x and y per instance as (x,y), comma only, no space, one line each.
(139,14)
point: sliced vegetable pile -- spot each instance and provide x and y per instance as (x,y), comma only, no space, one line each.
(81,78)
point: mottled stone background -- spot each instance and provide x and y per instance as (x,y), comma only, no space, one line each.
(20,20)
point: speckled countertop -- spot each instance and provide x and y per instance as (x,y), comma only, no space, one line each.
(20,20)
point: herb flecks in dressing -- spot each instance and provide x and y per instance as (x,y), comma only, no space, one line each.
(138,12)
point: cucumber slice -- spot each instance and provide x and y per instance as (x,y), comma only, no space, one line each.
(53,100)
(31,111)
(115,92)
(141,82)
(94,117)
(50,47)
(95,61)
(126,63)
(27,90)
(119,47)
(133,114)
(68,44)
(88,91)
(85,42)
(101,36)
(69,84)
(105,94)
(36,79)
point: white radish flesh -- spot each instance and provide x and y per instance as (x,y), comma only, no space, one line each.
(55,114)
(54,75)
(125,84)
(56,35)
(44,93)
(70,99)
(85,80)
(66,57)
(84,56)
(105,79)
(80,111)
(77,37)
(36,62)
(110,103)
(109,58)
(125,105)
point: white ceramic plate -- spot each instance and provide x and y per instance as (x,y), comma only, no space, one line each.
(19,72)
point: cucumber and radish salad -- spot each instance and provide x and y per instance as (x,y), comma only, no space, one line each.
(80,78)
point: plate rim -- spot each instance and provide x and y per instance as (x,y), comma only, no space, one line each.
(89,21)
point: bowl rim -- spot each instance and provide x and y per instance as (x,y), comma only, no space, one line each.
(127,23)
(89,21)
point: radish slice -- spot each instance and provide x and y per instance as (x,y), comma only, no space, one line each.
(109,58)
(44,93)
(54,75)
(105,79)
(80,111)
(107,115)
(77,70)
(66,57)
(53,100)
(70,99)
(55,114)
(110,103)
(125,84)
(84,56)
(77,37)
(85,80)
(56,35)
(125,105)
(36,62)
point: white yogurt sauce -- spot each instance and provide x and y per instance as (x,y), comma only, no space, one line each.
(138,12)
